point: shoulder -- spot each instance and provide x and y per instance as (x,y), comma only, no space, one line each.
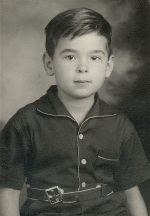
(31,108)
(27,113)
(24,120)
(110,110)
(117,119)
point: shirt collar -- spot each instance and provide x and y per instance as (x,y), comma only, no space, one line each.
(50,104)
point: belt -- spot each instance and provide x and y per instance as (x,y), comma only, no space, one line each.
(56,194)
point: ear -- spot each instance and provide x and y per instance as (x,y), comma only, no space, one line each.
(48,64)
(110,66)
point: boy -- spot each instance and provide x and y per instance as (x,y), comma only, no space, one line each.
(79,156)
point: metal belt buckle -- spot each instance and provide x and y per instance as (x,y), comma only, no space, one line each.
(54,195)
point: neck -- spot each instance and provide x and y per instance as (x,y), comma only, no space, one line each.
(78,107)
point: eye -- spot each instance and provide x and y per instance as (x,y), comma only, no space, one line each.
(96,58)
(70,57)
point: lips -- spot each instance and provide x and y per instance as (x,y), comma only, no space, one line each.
(82,81)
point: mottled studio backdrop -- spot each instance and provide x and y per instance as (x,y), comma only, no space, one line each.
(23,79)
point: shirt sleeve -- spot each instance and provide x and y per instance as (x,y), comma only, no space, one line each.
(11,157)
(134,167)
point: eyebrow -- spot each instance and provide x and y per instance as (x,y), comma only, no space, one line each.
(75,51)
(68,50)
(98,51)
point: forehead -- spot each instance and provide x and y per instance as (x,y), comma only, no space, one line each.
(83,43)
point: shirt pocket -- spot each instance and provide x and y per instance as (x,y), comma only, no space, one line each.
(107,160)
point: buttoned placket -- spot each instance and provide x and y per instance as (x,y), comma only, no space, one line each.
(81,160)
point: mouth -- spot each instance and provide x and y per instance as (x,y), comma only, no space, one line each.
(82,81)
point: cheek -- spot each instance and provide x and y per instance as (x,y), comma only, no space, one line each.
(63,68)
(100,72)
(62,77)
(99,66)
(99,78)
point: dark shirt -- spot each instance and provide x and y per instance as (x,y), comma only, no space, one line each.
(43,143)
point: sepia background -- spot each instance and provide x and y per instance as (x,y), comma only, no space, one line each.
(23,79)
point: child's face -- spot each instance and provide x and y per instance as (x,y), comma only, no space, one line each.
(80,65)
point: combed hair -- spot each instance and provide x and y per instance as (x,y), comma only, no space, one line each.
(74,23)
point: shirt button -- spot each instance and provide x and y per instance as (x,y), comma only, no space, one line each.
(83,184)
(83,161)
(80,136)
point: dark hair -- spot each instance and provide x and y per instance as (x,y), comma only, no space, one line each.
(76,22)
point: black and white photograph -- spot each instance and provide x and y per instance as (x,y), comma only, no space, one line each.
(75,108)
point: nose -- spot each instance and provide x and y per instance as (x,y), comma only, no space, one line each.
(82,70)
(82,67)
(82,64)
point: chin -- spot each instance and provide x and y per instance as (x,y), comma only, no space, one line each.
(83,96)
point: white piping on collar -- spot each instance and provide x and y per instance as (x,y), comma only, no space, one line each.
(100,116)
(54,115)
